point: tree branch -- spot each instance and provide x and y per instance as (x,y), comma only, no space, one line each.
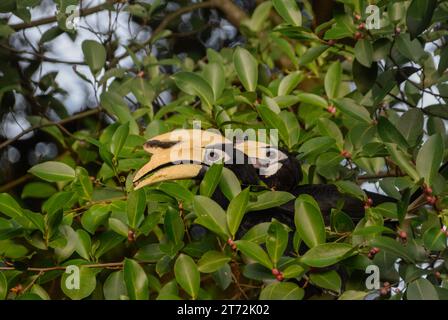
(49,124)
(52,19)
(232,12)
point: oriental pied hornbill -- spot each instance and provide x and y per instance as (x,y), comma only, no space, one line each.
(187,154)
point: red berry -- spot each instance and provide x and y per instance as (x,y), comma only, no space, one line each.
(361,26)
(357,17)
(397,30)
(346,154)
(131,236)
(275,272)
(437,274)
(331,42)
(386,284)
(431,199)
(403,234)
(280,277)
(384,291)
(376,250)
(358,35)
(331,109)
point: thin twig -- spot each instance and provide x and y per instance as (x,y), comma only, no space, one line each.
(49,124)
(52,19)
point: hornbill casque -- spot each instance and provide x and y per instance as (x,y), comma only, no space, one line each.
(188,153)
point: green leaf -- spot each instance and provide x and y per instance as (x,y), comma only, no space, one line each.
(326,254)
(236,210)
(136,280)
(114,104)
(312,54)
(114,287)
(312,99)
(364,77)
(87,283)
(316,146)
(364,52)
(434,239)
(421,289)
(332,80)
(84,244)
(410,125)
(353,295)
(119,139)
(429,158)
(411,49)
(276,240)
(94,217)
(3,286)
(282,291)
(53,171)
(9,206)
(212,261)
(195,85)
(328,280)
(350,188)
(309,221)
(392,246)
(289,11)
(273,120)
(403,161)
(229,184)
(259,16)
(136,207)
(289,83)
(437,110)
(94,55)
(176,190)
(211,215)
(352,109)
(270,199)
(215,76)
(419,15)
(258,233)
(174,226)
(246,67)
(187,275)
(293,271)
(330,129)
(255,252)
(211,180)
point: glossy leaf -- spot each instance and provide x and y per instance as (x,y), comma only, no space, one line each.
(326,254)
(136,280)
(212,261)
(289,11)
(187,275)
(254,252)
(236,210)
(309,221)
(246,67)
(282,291)
(53,171)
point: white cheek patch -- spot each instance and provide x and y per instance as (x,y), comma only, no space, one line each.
(271,169)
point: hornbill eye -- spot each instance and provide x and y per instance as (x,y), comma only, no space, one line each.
(214,156)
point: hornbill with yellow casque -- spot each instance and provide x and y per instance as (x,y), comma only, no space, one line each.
(189,153)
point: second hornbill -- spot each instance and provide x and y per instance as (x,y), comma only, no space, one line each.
(188,153)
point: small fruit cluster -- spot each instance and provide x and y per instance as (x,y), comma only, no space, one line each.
(368,203)
(430,198)
(277,274)
(373,252)
(231,243)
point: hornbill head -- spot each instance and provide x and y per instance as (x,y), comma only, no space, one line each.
(188,153)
